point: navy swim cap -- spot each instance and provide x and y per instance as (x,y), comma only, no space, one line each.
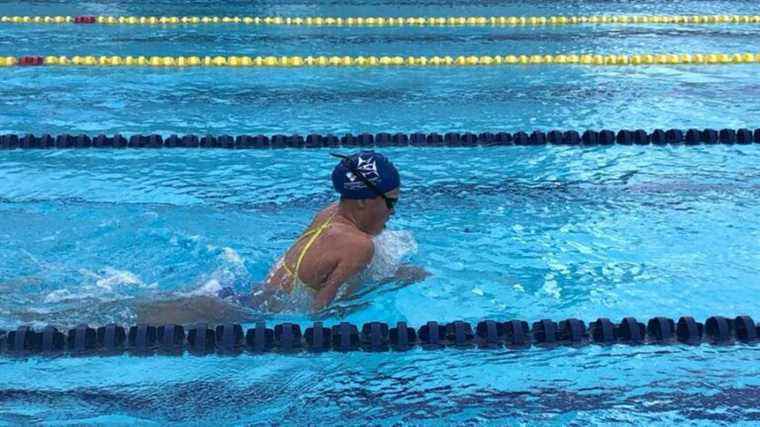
(374,166)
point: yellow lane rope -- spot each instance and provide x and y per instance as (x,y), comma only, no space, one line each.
(377,61)
(386,21)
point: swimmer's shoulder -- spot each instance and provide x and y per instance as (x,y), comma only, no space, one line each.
(324,214)
(342,239)
(351,243)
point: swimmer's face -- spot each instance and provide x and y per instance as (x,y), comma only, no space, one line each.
(378,212)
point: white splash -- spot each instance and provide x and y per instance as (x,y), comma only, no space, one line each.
(105,285)
(59,295)
(391,247)
(210,288)
(230,270)
(551,286)
(110,278)
(229,255)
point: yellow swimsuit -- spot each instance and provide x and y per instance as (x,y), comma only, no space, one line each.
(313,234)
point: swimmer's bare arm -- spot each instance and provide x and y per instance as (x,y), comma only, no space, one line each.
(406,274)
(354,256)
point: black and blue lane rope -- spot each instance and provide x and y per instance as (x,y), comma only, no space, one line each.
(386,139)
(233,339)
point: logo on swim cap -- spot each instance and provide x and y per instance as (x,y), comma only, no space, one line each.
(367,166)
(374,167)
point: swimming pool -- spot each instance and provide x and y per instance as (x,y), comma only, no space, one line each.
(507,232)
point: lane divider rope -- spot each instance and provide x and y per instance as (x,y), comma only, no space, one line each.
(233,339)
(380,61)
(387,21)
(385,139)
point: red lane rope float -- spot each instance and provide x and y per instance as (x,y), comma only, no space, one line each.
(27,61)
(85,20)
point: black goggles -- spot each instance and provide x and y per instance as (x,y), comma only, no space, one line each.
(390,202)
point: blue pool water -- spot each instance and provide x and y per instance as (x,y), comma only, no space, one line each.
(513,232)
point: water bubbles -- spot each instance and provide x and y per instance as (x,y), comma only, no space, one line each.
(391,247)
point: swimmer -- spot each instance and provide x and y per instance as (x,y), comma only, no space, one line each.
(338,244)
(330,254)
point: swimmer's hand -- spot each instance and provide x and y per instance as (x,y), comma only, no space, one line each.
(408,274)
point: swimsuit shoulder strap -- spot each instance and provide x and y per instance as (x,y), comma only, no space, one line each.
(313,234)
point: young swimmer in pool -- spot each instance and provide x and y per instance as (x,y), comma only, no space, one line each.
(332,253)
(338,245)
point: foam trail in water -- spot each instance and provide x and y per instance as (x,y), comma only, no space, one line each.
(106,284)
(229,273)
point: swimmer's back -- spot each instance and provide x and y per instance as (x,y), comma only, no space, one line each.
(329,245)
